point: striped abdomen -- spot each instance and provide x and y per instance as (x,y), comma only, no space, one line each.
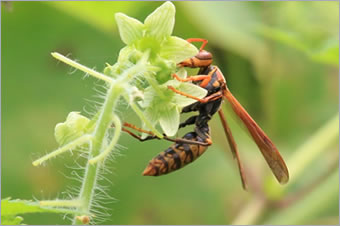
(176,156)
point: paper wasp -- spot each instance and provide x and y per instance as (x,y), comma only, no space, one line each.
(193,144)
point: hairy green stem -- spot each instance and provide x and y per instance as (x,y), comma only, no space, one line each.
(91,171)
(97,129)
(59,203)
(77,142)
(106,152)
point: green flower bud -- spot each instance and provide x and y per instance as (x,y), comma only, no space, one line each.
(72,128)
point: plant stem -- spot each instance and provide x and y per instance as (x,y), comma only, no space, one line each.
(106,152)
(82,67)
(63,203)
(77,142)
(315,145)
(91,171)
(251,212)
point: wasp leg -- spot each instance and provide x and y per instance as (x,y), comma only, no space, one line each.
(185,141)
(204,42)
(233,148)
(211,97)
(189,121)
(138,129)
(152,136)
(204,78)
(139,137)
(191,78)
(177,140)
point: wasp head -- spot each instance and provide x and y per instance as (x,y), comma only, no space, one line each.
(202,59)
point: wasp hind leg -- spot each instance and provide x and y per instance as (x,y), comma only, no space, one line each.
(138,137)
(233,148)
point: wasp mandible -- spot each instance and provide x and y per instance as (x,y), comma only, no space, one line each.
(188,148)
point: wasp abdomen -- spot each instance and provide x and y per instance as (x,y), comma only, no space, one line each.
(176,156)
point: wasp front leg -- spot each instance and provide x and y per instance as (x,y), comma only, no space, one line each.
(205,79)
(211,97)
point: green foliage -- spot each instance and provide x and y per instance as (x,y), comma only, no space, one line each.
(327,52)
(10,209)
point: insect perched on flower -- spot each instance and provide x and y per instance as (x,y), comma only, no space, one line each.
(185,150)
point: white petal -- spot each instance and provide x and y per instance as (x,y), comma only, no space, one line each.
(177,49)
(160,22)
(129,28)
(191,89)
(169,121)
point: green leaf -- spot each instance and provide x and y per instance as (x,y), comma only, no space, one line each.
(129,28)
(11,220)
(289,38)
(14,207)
(177,49)
(11,208)
(328,53)
(160,23)
(169,120)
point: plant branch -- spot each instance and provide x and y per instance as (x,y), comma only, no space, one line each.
(91,171)
(105,153)
(77,142)
(82,67)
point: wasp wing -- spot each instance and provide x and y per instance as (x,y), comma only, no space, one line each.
(266,146)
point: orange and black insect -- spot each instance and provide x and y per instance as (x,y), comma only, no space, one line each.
(195,143)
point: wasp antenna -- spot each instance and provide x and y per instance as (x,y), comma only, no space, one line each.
(204,42)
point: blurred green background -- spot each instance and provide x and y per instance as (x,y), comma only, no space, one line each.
(280,60)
